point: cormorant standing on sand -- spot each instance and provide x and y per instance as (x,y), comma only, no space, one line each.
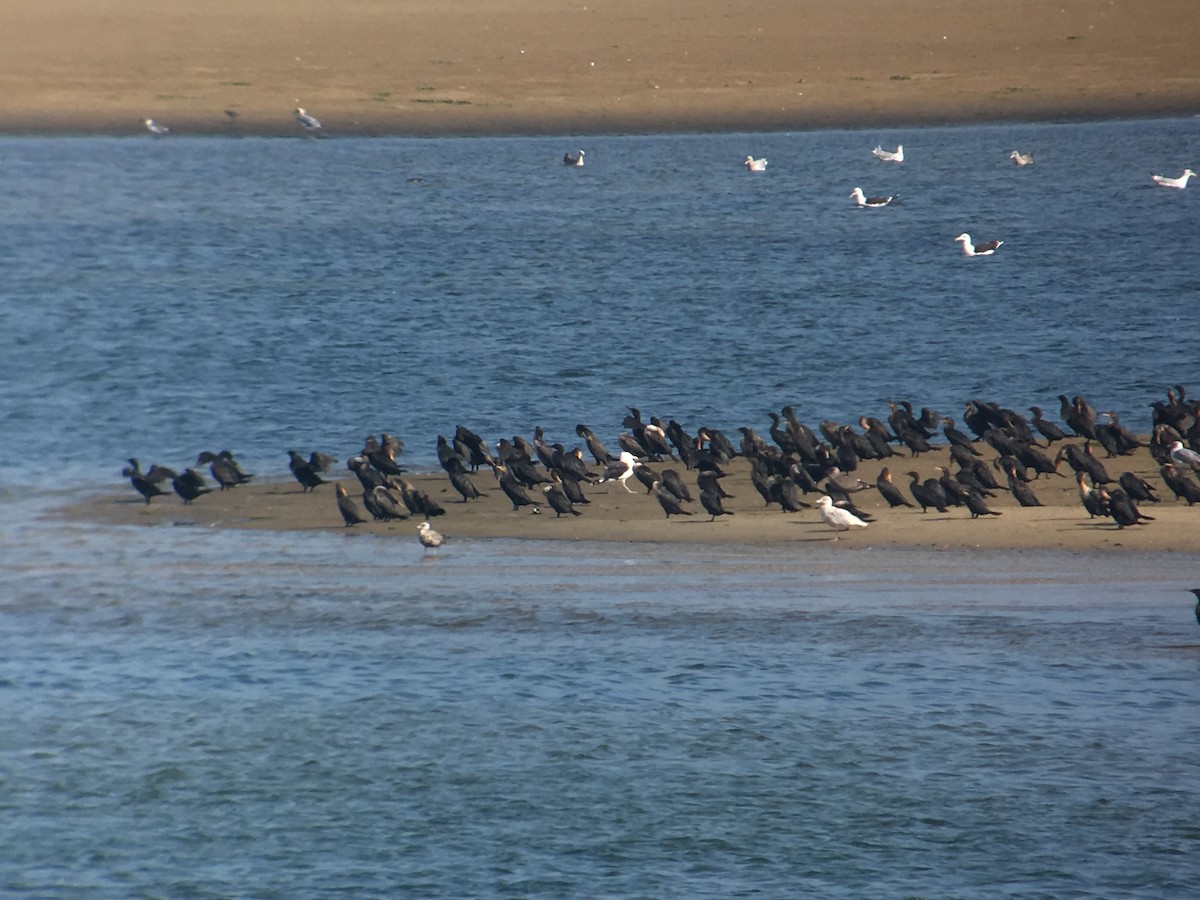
(889,491)
(147,483)
(1046,428)
(673,483)
(1123,510)
(711,494)
(512,489)
(1183,487)
(225,470)
(347,507)
(304,472)
(559,502)
(669,502)
(1020,489)
(190,485)
(929,494)
(978,506)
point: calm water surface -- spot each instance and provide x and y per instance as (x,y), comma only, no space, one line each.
(192,713)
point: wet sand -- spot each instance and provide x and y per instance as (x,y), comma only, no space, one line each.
(544,66)
(276,501)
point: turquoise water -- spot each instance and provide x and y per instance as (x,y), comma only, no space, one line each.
(195,713)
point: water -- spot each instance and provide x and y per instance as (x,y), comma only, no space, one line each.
(192,713)
(167,296)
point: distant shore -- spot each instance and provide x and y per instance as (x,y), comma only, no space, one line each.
(275,501)
(427,67)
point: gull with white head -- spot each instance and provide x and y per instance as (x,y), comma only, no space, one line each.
(1180,182)
(428,537)
(837,518)
(987,248)
(306,121)
(755,165)
(896,155)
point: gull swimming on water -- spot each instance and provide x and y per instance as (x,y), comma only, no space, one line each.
(1021,159)
(864,201)
(1180,182)
(573,159)
(755,165)
(987,248)
(307,122)
(837,518)
(888,155)
(155,128)
(428,537)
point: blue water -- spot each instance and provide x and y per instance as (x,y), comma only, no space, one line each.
(196,713)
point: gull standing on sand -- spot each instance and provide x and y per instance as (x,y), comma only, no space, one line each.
(620,469)
(865,202)
(1184,458)
(837,518)
(1180,182)
(428,537)
(573,159)
(155,128)
(1021,159)
(887,155)
(755,165)
(307,122)
(987,248)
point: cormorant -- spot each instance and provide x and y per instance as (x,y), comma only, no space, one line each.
(224,468)
(669,502)
(304,472)
(673,483)
(559,502)
(512,488)
(347,507)
(1122,509)
(889,491)
(1045,428)
(189,485)
(929,494)
(978,506)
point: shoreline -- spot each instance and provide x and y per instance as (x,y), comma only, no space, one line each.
(539,67)
(276,502)
(76,126)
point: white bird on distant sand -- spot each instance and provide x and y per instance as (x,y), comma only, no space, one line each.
(573,159)
(620,469)
(1021,159)
(889,156)
(755,165)
(987,248)
(307,122)
(1185,458)
(837,518)
(1180,182)
(863,200)
(154,128)
(428,537)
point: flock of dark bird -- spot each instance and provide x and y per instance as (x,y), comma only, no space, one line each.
(792,462)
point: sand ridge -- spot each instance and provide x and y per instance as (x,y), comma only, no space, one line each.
(276,501)
(544,66)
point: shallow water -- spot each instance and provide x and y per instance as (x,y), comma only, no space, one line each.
(196,713)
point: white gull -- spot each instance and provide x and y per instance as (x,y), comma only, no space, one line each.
(863,200)
(306,121)
(155,128)
(888,155)
(1180,182)
(755,165)
(987,248)
(837,518)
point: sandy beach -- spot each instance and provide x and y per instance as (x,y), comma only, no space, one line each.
(274,500)
(539,66)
